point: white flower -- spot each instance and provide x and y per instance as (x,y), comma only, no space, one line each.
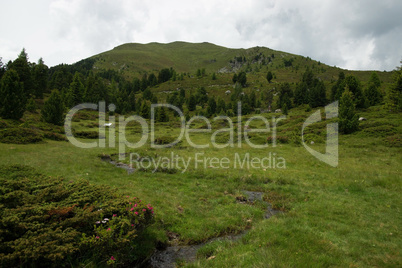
(105,219)
(97,222)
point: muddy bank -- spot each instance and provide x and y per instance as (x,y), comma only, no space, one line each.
(171,255)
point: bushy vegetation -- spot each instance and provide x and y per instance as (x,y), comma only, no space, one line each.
(48,222)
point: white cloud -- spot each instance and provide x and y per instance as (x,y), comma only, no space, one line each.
(348,34)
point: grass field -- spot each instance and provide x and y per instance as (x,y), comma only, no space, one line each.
(344,216)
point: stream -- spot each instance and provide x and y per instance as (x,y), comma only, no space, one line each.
(169,256)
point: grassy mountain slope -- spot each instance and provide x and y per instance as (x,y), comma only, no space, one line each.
(133,60)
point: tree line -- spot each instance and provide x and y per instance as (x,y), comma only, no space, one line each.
(22,81)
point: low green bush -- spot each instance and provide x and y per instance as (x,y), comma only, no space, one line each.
(164,140)
(46,222)
(20,135)
(86,134)
(279,139)
(379,131)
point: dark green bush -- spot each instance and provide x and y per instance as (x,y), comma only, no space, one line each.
(164,140)
(3,124)
(86,134)
(379,131)
(54,136)
(279,139)
(20,135)
(45,222)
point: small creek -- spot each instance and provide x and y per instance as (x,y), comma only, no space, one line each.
(168,256)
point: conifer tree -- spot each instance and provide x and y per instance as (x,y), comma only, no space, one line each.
(12,96)
(269,76)
(21,66)
(348,119)
(53,109)
(192,103)
(76,92)
(161,115)
(145,110)
(40,78)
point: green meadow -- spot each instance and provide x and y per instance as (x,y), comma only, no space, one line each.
(349,215)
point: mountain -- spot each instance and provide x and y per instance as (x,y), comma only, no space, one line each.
(134,59)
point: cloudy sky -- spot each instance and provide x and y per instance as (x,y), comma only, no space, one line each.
(359,34)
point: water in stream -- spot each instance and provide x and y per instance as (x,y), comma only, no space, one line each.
(188,253)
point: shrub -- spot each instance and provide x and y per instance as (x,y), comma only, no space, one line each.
(394,140)
(279,139)
(86,134)
(3,124)
(54,136)
(20,135)
(164,140)
(46,222)
(380,131)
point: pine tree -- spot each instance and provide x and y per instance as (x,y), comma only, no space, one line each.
(372,93)
(21,66)
(40,78)
(131,101)
(269,76)
(211,107)
(192,103)
(317,95)
(161,115)
(242,78)
(301,95)
(76,92)
(348,119)
(145,110)
(355,88)
(53,109)
(12,96)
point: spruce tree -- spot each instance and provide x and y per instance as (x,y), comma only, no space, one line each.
(12,96)
(348,119)
(40,78)
(269,76)
(21,66)
(192,103)
(161,115)
(76,92)
(145,110)
(372,93)
(211,107)
(53,109)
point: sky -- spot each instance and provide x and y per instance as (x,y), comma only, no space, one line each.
(355,35)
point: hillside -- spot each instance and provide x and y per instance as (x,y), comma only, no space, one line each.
(133,60)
